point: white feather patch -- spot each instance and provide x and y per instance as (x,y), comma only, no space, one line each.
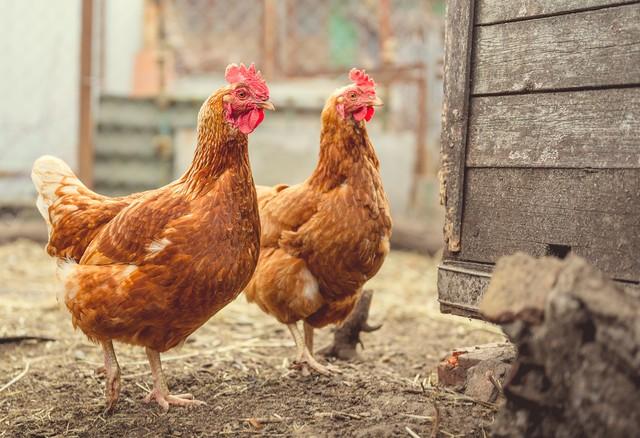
(66,269)
(43,208)
(130,269)
(157,246)
(310,288)
(48,174)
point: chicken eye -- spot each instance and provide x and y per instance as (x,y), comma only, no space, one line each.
(241,94)
(352,95)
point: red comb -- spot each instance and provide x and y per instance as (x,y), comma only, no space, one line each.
(248,76)
(361,79)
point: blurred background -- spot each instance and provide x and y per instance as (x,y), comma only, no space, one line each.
(113,87)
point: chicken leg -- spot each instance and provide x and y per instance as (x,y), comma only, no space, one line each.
(112,372)
(308,336)
(160,392)
(305,357)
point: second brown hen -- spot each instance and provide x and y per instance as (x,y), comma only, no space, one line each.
(324,238)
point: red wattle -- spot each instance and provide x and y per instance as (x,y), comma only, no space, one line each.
(250,120)
(370,112)
(360,114)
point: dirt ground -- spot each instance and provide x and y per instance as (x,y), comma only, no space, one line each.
(239,364)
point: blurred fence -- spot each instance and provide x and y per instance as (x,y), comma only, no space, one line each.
(188,42)
(296,37)
(206,35)
(149,64)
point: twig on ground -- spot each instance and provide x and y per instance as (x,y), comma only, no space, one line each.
(436,422)
(418,417)
(18,377)
(17,339)
(338,415)
(145,389)
(264,420)
(456,396)
(133,376)
(496,383)
(348,415)
(411,432)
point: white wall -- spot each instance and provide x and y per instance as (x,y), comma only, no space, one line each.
(38,81)
(123,40)
(39,69)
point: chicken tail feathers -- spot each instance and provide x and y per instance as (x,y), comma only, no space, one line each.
(52,178)
(66,268)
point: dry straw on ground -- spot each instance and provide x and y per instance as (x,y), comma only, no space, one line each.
(239,364)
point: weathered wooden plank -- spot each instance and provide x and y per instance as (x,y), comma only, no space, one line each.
(126,143)
(461,286)
(144,113)
(597,129)
(594,212)
(149,174)
(458,42)
(587,49)
(492,11)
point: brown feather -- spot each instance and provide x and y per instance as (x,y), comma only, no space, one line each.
(336,225)
(170,258)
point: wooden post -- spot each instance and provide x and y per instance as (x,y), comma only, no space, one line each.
(291,65)
(102,43)
(85,117)
(386,55)
(162,55)
(421,165)
(384,22)
(269,38)
(453,143)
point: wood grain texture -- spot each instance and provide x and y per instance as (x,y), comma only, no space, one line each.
(596,129)
(587,49)
(492,11)
(127,144)
(595,212)
(116,172)
(462,285)
(458,38)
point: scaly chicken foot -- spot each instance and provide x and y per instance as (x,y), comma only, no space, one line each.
(308,336)
(304,358)
(308,340)
(112,373)
(160,392)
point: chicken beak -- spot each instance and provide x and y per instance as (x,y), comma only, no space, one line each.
(266,105)
(376,102)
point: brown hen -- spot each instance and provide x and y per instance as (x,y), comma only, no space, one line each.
(151,268)
(323,239)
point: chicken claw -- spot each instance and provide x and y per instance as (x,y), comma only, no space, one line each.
(160,392)
(112,392)
(305,359)
(166,399)
(112,372)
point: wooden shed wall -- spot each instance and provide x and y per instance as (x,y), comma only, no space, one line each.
(541,137)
